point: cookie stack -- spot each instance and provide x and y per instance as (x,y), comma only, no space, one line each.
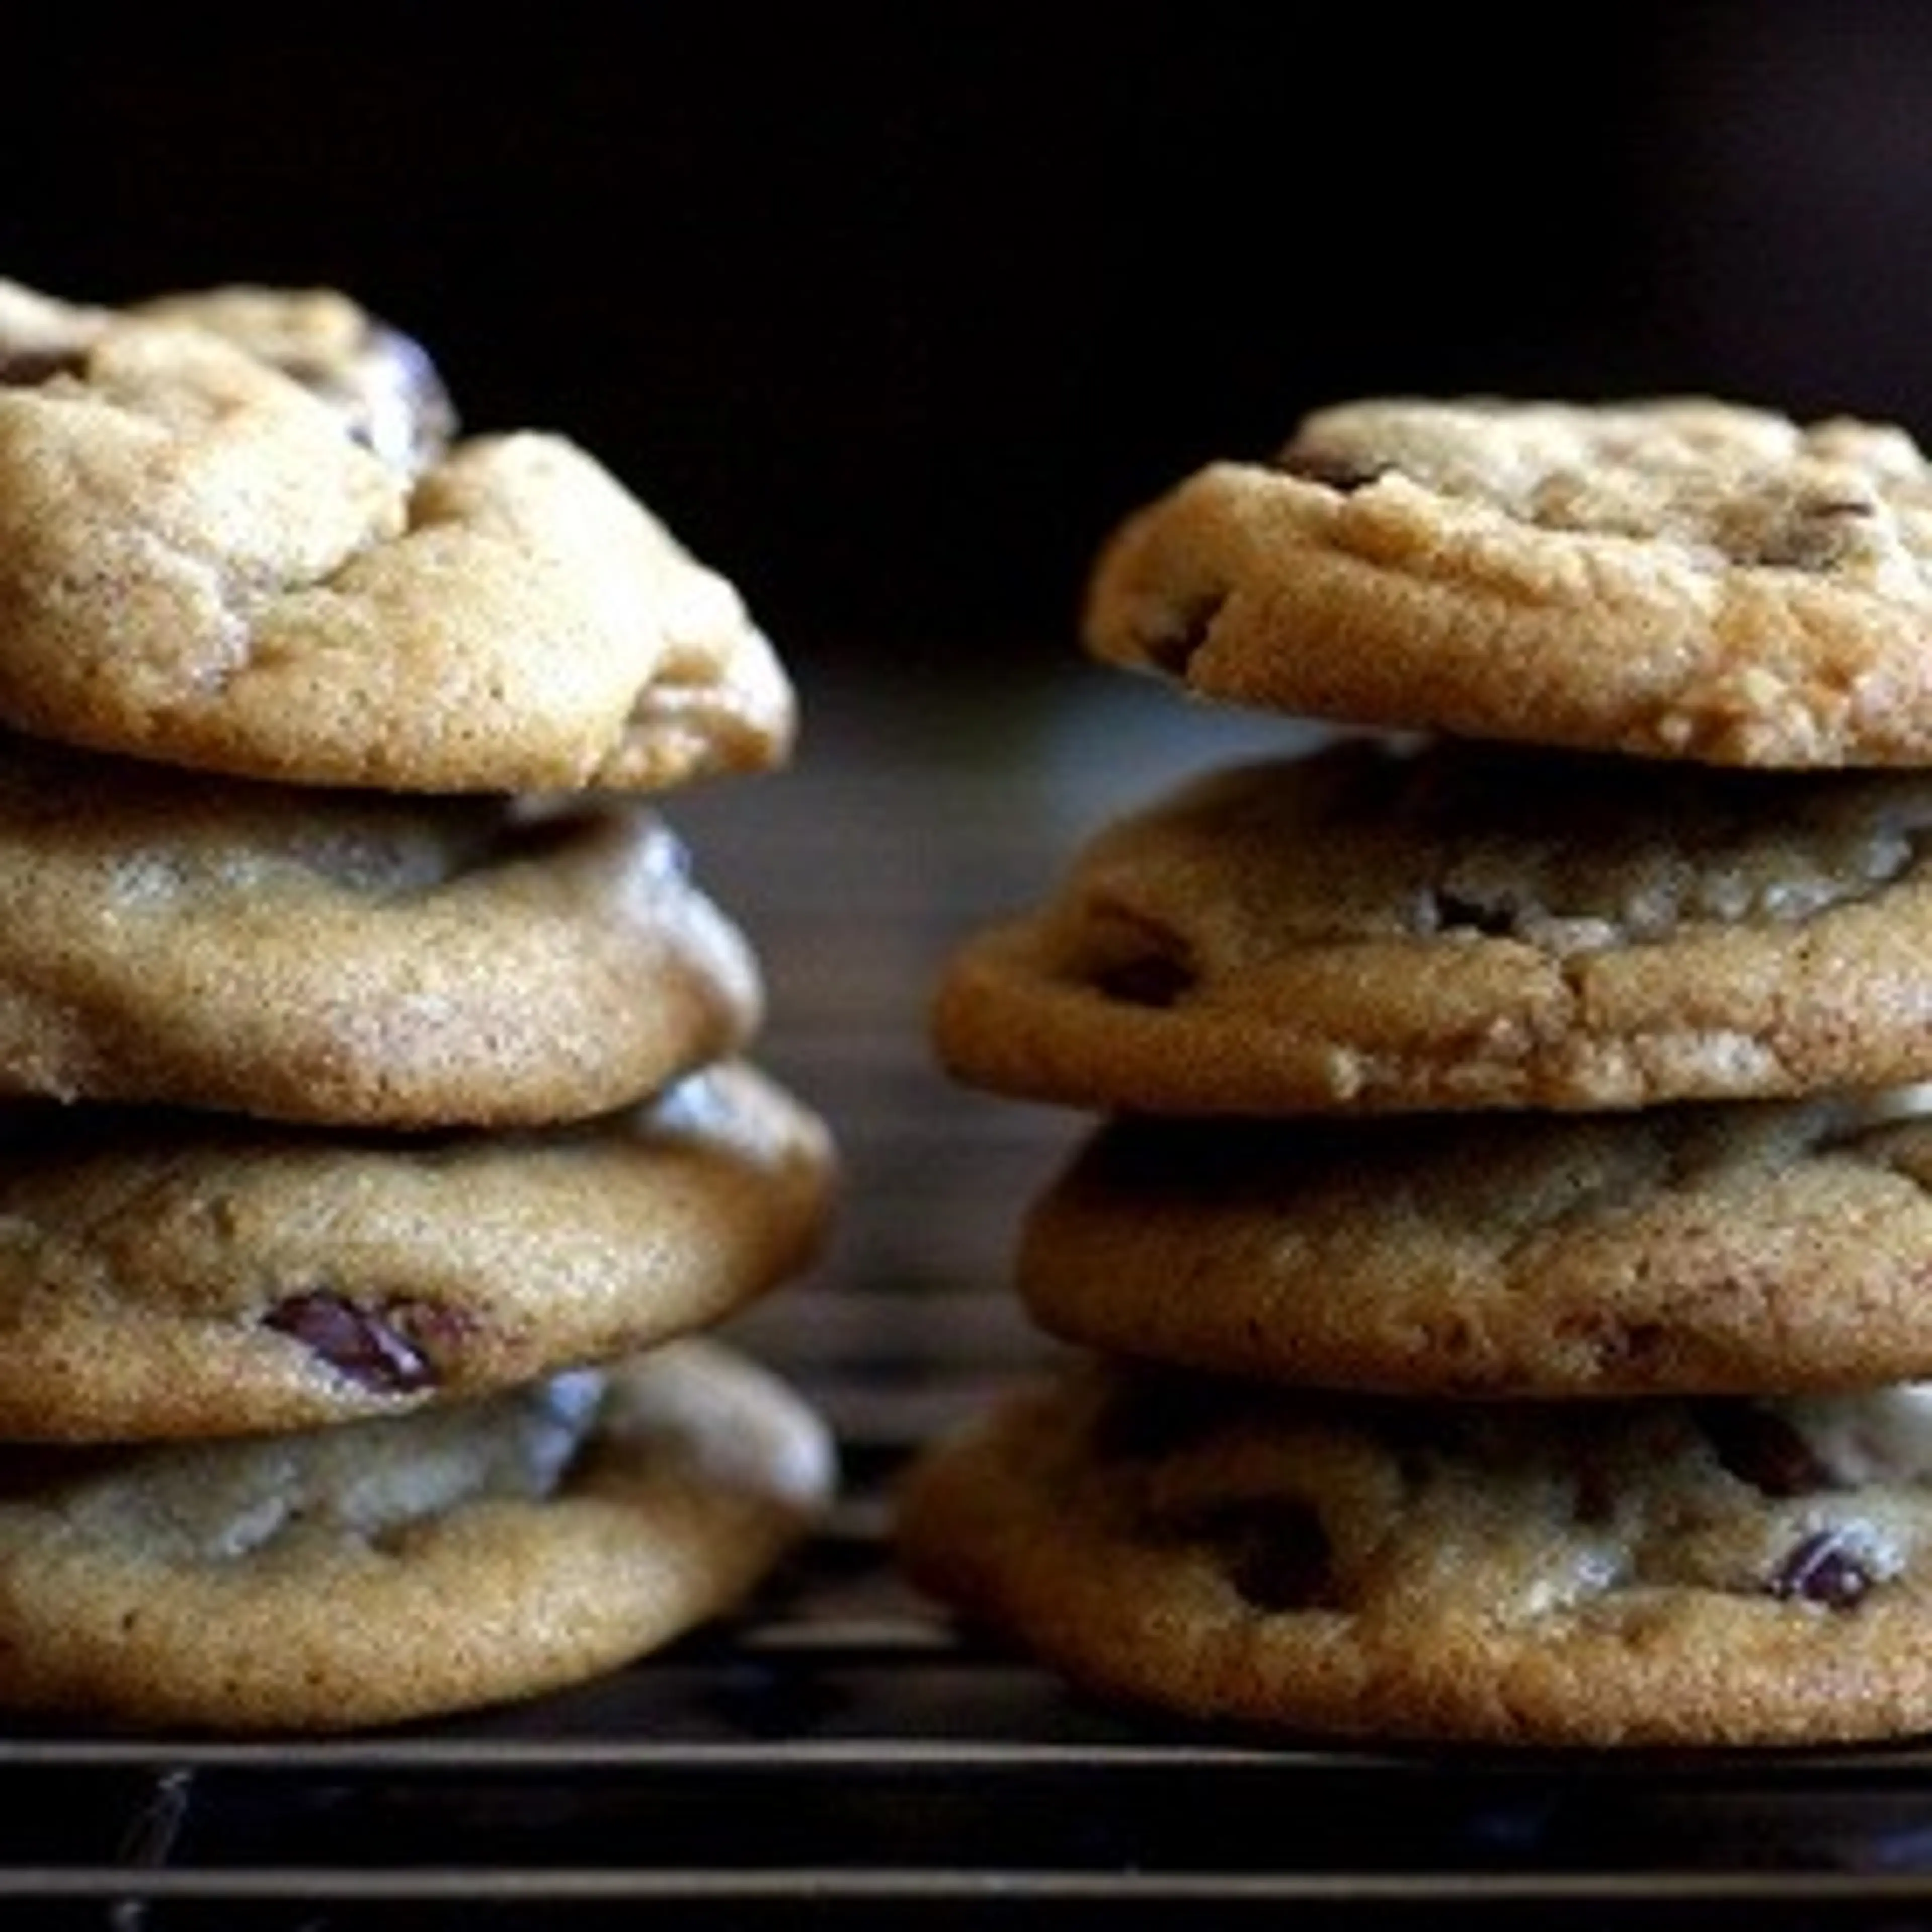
(382,1137)
(1497,1285)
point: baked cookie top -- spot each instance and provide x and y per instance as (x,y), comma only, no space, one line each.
(381,379)
(405,1567)
(1659,1572)
(1374,926)
(234,535)
(1672,577)
(1689,1249)
(172,1274)
(348,957)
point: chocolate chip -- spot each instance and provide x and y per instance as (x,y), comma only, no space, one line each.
(1820,531)
(1138,961)
(1154,979)
(1822,1569)
(1172,646)
(29,368)
(1277,1554)
(1328,467)
(366,1345)
(1759,1447)
(1456,913)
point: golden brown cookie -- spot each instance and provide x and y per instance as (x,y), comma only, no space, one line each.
(1689,1249)
(1723,1572)
(350,957)
(206,560)
(1375,927)
(1675,577)
(407,1567)
(174,1274)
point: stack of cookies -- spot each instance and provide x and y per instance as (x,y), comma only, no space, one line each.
(381,1143)
(1497,1283)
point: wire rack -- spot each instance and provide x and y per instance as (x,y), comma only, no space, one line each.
(838,1754)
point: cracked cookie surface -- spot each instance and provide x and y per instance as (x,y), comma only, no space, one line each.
(1727,1571)
(372,1572)
(1376,926)
(1676,577)
(1694,1250)
(380,380)
(238,534)
(165,1274)
(350,957)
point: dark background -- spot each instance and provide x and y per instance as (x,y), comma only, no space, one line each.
(890,314)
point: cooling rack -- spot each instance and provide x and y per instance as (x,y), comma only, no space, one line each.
(838,1754)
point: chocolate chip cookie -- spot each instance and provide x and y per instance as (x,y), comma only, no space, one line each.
(1670,577)
(1687,1249)
(407,1567)
(352,957)
(1378,925)
(167,1274)
(1658,1572)
(236,534)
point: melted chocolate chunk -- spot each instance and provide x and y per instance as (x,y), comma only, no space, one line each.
(366,1345)
(1138,961)
(1325,466)
(1155,979)
(1823,1569)
(1277,1554)
(29,368)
